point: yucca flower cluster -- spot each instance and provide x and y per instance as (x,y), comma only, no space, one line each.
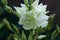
(36,24)
(36,17)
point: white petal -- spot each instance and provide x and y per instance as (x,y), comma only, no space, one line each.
(20,11)
(35,3)
(38,22)
(24,7)
(46,12)
(43,17)
(17,9)
(27,26)
(22,20)
(41,4)
(44,24)
(41,8)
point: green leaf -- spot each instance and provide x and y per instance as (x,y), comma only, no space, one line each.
(16,30)
(39,31)
(15,13)
(50,23)
(51,20)
(9,9)
(7,24)
(23,36)
(58,29)
(26,2)
(30,36)
(31,1)
(54,34)
(1,24)
(4,2)
(9,37)
(15,37)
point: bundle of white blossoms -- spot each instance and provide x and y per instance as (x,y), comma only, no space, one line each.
(34,18)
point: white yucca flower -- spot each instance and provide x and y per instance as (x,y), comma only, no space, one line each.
(34,18)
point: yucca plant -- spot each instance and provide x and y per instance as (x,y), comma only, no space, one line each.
(28,22)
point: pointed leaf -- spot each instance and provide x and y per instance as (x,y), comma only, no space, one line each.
(26,2)
(15,37)
(9,9)
(58,28)
(7,24)
(1,24)
(50,23)
(54,34)
(31,1)
(4,2)
(23,36)
(51,20)
(39,31)
(30,36)
(16,30)
(10,37)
